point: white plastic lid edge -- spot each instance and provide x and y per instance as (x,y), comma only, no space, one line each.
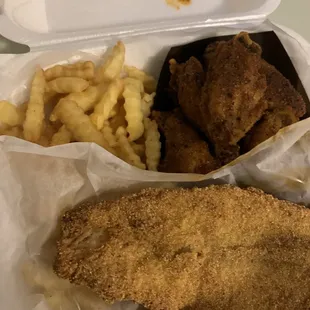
(38,42)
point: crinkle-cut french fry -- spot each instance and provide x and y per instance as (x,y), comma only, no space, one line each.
(66,85)
(132,105)
(126,151)
(80,125)
(148,81)
(13,132)
(76,65)
(108,134)
(84,70)
(10,114)
(62,136)
(104,107)
(56,125)
(139,149)
(118,120)
(86,100)
(35,111)
(113,113)
(115,109)
(47,131)
(22,108)
(147,104)
(102,87)
(152,144)
(113,66)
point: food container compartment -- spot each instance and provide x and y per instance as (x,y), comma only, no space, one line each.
(46,181)
(273,52)
(43,24)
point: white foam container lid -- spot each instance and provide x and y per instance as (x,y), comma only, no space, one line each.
(45,24)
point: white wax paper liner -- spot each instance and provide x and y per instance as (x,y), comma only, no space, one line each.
(38,183)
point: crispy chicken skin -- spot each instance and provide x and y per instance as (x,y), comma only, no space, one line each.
(227,153)
(280,93)
(187,80)
(237,91)
(186,151)
(243,38)
(216,248)
(269,125)
(226,102)
(233,91)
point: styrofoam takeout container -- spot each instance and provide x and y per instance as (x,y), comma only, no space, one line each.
(46,24)
(68,30)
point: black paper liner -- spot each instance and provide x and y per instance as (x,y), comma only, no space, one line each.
(273,52)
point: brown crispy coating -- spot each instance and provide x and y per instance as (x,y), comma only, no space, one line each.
(269,125)
(216,248)
(280,93)
(233,92)
(243,38)
(225,103)
(187,80)
(185,150)
(239,90)
(227,153)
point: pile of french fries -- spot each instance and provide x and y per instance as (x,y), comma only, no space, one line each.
(109,105)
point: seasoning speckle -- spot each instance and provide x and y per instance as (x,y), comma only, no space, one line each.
(219,247)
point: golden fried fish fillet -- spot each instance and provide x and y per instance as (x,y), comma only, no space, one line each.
(269,125)
(185,150)
(218,248)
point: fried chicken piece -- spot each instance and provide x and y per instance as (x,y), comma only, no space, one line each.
(243,37)
(227,153)
(216,248)
(226,104)
(187,80)
(280,93)
(233,90)
(186,151)
(269,125)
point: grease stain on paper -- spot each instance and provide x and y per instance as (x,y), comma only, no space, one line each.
(177,3)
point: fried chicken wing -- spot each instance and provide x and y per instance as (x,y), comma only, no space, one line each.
(280,93)
(233,91)
(226,153)
(238,90)
(187,80)
(216,248)
(226,102)
(185,150)
(269,125)
(243,38)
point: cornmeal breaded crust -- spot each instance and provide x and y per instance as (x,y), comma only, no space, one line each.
(269,125)
(219,247)
(234,91)
(186,151)
(280,93)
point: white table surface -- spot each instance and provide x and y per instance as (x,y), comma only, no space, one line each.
(295,15)
(291,13)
